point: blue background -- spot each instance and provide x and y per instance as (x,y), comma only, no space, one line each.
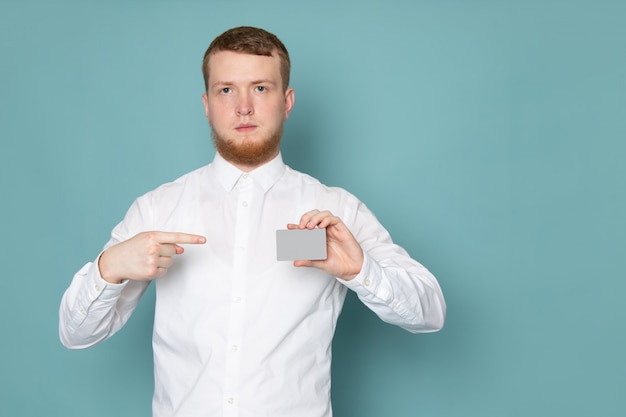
(488,137)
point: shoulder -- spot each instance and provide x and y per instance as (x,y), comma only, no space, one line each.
(172,190)
(324,197)
(294,178)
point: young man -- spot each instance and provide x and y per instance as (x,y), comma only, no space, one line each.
(236,332)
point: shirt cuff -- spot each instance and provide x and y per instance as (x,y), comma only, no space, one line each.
(99,288)
(369,283)
(92,291)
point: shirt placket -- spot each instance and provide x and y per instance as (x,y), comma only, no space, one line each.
(237,302)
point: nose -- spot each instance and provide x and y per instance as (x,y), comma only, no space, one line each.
(244,105)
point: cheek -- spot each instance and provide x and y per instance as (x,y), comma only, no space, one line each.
(276,112)
(217,114)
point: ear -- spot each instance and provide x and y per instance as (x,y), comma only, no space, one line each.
(290,99)
(205,102)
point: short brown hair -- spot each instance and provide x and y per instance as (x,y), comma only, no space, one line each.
(249,40)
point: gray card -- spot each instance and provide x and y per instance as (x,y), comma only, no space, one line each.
(304,245)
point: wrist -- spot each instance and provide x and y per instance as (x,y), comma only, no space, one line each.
(354,271)
(105,272)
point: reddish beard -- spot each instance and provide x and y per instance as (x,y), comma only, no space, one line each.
(248,153)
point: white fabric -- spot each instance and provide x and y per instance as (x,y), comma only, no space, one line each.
(237,333)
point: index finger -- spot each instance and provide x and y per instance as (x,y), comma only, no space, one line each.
(316,218)
(306,218)
(177,237)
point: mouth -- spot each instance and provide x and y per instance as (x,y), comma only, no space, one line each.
(245,128)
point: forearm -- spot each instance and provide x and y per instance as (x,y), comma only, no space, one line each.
(406,296)
(92,309)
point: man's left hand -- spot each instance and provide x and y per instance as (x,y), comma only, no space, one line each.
(344,254)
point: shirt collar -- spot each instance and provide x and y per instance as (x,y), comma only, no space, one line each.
(266,175)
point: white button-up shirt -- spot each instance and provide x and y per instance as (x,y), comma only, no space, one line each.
(237,333)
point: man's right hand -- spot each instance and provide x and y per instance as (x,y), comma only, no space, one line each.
(145,256)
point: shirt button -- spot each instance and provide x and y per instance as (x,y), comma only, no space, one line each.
(234,348)
(366,282)
(245,204)
(97,287)
(230,400)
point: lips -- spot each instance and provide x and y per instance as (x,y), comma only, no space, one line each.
(245,128)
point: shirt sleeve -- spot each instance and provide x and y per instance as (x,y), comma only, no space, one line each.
(397,288)
(93,309)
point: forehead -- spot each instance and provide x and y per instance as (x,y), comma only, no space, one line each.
(230,67)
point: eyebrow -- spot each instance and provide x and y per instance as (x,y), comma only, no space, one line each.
(255,82)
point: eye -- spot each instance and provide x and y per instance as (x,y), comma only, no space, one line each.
(225,90)
(260,88)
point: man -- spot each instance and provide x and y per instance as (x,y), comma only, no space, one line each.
(236,332)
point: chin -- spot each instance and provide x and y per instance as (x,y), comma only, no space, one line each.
(248,152)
